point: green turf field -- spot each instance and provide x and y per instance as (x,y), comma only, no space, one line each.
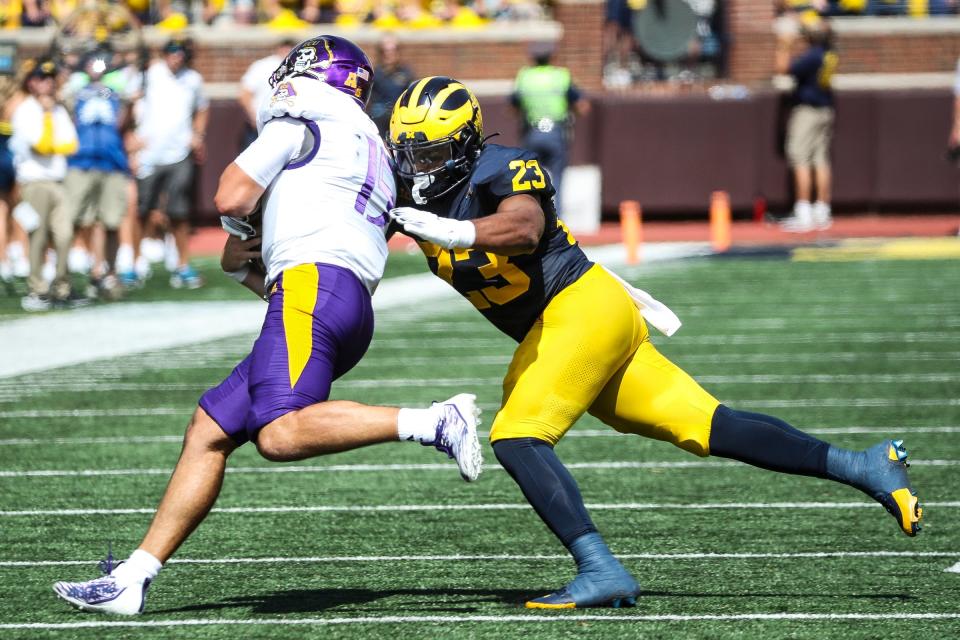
(389,541)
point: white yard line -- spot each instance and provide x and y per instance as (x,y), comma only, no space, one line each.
(341,468)
(954,569)
(537,618)
(810,555)
(436,508)
(773,403)
(575,433)
(375,383)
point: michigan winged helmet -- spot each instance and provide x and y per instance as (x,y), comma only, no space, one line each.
(436,133)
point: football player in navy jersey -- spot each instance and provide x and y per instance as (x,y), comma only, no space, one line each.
(483,215)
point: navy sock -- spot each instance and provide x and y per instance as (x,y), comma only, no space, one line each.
(846,466)
(547,485)
(766,442)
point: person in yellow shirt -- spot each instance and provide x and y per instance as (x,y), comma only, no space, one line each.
(43,137)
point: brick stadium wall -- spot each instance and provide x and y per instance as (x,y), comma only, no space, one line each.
(751,40)
(898,53)
(866,45)
(581,49)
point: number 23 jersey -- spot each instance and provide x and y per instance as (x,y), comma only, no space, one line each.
(511,291)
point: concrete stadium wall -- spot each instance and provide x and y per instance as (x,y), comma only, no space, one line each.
(671,153)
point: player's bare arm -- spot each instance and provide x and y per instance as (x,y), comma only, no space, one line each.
(237,194)
(515,228)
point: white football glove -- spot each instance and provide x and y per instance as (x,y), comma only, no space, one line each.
(449,234)
(239,227)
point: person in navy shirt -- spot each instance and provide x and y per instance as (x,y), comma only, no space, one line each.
(810,126)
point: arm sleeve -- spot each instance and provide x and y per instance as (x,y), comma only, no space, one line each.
(956,81)
(251,79)
(65,137)
(278,144)
(201,101)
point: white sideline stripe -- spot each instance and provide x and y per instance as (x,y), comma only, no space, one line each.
(954,569)
(403,508)
(575,433)
(187,410)
(512,557)
(119,330)
(340,468)
(531,618)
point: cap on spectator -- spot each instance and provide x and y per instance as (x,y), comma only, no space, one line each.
(176,45)
(541,50)
(43,68)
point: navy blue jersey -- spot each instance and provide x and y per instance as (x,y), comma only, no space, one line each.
(510,291)
(813,72)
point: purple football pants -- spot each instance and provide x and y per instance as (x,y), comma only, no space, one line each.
(319,324)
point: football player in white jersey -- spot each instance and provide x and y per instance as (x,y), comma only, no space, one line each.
(324,179)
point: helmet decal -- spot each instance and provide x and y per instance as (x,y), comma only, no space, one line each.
(333,60)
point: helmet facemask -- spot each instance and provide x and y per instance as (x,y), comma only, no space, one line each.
(434,168)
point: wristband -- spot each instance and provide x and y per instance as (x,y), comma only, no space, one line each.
(463,235)
(240,274)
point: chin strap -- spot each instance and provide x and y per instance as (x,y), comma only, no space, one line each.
(420,181)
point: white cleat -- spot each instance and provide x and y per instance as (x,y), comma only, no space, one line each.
(105,595)
(457,433)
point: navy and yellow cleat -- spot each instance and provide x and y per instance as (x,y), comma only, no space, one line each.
(615,591)
(885,480)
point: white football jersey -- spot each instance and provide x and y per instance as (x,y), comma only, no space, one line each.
(329,202)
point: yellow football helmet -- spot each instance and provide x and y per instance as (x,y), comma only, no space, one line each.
(436,133)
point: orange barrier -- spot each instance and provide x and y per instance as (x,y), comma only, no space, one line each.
(631,229)
(720,220)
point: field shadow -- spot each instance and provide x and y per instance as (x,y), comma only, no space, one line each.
(307,601)
(819,595)
(319,600)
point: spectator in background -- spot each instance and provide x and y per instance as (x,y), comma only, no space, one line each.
(96,183)
(547,100)
(618,43)
(43,137)
(810,125)
(391,77)
(255,86)
(295,14)
(35,13)
(13,260)
(953,142)
(171,134)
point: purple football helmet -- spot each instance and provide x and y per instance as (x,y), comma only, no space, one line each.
(333,60)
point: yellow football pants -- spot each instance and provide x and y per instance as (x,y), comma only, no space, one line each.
(590,351)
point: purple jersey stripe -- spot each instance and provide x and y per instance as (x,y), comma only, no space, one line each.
(372,170)
(315,130)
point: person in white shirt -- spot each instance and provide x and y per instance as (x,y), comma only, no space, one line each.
(171,130)
(255,86)
(43,137)
(324,183)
